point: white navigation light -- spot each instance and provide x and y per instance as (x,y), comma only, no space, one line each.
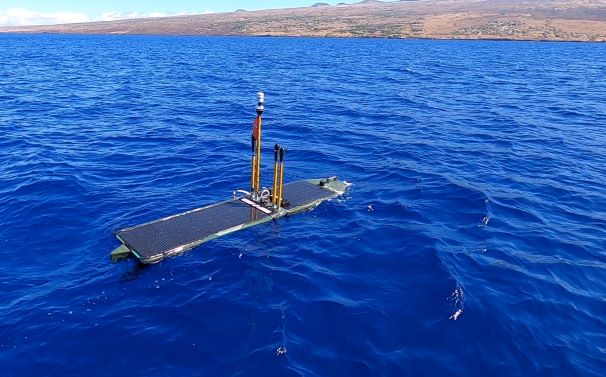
(261,99)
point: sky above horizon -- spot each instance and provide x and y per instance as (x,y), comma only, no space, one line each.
(39,12)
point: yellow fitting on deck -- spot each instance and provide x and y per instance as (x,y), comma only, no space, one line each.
(273,192)
(281,181)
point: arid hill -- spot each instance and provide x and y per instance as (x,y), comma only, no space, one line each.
(556,20)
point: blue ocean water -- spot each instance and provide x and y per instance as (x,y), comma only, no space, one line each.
(472,242)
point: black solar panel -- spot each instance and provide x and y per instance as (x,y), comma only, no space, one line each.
(303,192)
(180,232)
(158,237)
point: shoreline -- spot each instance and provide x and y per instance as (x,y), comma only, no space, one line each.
(445,39)
(524,20)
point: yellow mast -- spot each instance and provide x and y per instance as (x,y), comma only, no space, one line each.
(253,174)
(260,108)
(281,168)
(274,192)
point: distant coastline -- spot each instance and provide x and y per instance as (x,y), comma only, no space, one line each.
(534,20)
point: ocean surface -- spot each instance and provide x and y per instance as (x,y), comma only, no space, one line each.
(471,243)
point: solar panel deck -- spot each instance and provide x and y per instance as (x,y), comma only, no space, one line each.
(303,192)
(164,236)
(171,235)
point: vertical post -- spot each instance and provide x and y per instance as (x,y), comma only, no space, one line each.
(274,192)
(260,108)
(282,152)
(253,174)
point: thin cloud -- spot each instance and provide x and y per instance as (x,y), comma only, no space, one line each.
(112,16)
(22,16)
(26,17)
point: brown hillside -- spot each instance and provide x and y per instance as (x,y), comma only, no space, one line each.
(578,20)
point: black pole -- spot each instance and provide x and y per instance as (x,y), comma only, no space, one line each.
(276,151)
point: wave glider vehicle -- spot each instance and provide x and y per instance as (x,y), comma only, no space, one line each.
(153,241)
